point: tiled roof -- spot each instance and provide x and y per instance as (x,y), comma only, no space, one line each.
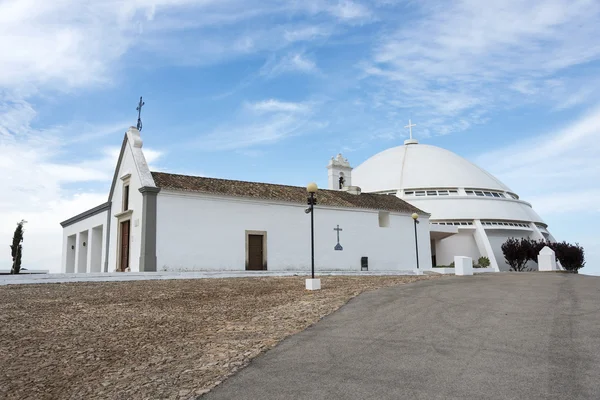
(292,194)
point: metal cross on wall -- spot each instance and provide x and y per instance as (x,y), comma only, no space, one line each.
(338,246)
(139,110)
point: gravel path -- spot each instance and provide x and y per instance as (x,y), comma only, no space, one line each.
(153,339)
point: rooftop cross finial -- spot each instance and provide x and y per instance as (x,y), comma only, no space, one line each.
(409,126)
(139,110)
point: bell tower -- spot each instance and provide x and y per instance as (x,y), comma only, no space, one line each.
(340,173)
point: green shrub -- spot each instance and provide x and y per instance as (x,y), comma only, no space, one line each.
(483,262)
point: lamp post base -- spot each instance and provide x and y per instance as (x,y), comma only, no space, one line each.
(313,284)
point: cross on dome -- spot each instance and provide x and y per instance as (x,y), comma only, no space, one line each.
(411,140)
(409,126)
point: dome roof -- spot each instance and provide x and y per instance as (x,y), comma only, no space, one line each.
(417,166)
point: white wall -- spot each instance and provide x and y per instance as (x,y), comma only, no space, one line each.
(200,232)
(75,230)
(461,244)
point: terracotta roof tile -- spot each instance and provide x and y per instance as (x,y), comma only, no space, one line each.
(292,194)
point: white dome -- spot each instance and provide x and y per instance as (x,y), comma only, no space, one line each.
(483,211)
(421,166)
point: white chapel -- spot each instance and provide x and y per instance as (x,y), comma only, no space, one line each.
(364,220)
(155,221)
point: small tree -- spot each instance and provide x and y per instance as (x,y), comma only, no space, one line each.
(516,253)
(535,246)
(16,249)
(571,256)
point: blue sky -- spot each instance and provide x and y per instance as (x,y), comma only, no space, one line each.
(269,90)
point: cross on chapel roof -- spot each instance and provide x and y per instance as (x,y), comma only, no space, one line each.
(139,110)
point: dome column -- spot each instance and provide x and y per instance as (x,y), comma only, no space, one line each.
(484,245)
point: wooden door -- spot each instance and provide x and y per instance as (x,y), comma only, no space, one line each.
(124,264)
(255,252)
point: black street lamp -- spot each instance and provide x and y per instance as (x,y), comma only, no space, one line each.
(415,217)
(312,188)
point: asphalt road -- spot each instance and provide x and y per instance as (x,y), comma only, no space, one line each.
(494,336)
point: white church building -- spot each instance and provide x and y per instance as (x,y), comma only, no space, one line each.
(155,221)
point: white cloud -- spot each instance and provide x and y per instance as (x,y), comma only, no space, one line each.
(565,160)
(306,33)
(273,105)
(262,123)
(350,10)
(293,62)
(463,58)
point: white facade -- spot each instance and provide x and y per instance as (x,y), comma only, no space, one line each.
(456,193)
(101,226)
(200,232)
(149,227)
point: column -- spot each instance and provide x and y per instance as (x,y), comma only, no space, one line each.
(148,244)
(77,245)
(482,239)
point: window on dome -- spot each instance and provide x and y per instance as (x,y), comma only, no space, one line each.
(420,193)
(479,193)
(409,193)
(470,192)
(443,192)
(431,193)
(453,192)
(496,194)
(489,194)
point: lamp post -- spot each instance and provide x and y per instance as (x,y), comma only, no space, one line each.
(311,188)
(415,218)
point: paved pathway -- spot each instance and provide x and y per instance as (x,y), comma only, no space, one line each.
(496,336)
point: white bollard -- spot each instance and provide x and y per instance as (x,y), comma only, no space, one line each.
(547,260)
(313,284)
(463,265)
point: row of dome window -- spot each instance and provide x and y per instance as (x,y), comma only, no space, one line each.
(454,192)
(486,223)
(482,193)
(450,192)
(453,223)
(498,223)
